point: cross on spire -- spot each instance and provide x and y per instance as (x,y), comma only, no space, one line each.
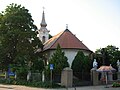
(43,8)
(66,26)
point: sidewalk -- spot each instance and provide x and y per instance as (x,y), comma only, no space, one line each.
(17,87)
(102,87)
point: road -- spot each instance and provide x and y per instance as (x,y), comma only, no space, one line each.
(17,87)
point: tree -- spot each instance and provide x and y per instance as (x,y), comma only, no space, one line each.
(50,36)
(110,54)
(77,64)
(59,60)
(38,65)
(81,65)
(18,41)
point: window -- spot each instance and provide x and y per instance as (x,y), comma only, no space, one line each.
(43,39)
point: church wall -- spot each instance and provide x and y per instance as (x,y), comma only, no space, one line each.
(69,53)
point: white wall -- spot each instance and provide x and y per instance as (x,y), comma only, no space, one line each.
(70,54)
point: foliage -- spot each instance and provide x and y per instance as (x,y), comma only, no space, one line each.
(110,54)
(32,84)
(80,65)
(18,41)
(50,36)
(116,84)
(77,63)
(59,60)
(38,65)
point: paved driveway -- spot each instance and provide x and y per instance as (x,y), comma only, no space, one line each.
(17,87)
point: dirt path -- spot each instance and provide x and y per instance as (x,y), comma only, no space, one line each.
(17,87)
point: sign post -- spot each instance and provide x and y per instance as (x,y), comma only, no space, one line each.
(10,73)
(51,68)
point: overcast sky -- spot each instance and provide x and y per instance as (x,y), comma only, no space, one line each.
(95,22)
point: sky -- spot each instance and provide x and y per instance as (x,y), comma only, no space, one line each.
(94,22)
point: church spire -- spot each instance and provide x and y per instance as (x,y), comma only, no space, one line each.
(43,32)
(43,23)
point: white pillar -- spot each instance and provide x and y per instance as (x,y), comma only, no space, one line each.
(5,75)
(43,76)
(28,75)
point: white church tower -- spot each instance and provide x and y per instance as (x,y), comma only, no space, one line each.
(43,33)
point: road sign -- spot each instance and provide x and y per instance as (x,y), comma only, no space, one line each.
(11,74)
(51,66)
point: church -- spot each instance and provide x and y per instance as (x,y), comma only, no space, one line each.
(68,42)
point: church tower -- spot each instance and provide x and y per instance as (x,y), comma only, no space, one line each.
(43,33)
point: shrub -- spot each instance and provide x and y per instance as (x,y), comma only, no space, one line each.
(31,84)
(116,84)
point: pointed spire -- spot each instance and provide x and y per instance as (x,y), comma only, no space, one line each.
(43,32)
(43,23)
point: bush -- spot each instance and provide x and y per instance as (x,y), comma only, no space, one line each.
(31,84)
(116,84)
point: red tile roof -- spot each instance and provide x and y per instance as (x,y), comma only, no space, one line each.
(106,69)
(66,40)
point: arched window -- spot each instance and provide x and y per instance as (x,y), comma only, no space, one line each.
(43,39)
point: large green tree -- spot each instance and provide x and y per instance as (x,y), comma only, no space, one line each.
(81,65)
(59,60)
(18,40)
(108,55)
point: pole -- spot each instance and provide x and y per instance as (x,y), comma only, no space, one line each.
(106,80)
(51,76)
(51,68)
